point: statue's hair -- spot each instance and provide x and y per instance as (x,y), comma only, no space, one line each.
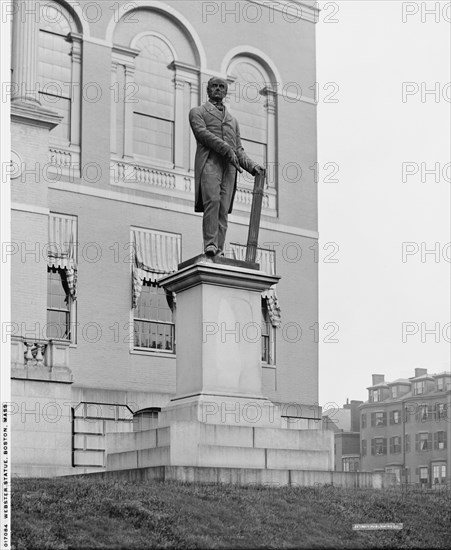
(216,78)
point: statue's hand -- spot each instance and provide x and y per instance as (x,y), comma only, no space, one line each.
(233,159)
(259,170)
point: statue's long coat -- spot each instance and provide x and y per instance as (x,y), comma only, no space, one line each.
(218,131)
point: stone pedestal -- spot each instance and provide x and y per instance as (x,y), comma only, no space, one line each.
(218,338)
(219,417)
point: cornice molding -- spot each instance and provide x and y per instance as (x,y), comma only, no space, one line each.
(162,203)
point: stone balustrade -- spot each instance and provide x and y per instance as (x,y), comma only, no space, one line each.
(135,175)
(40,359)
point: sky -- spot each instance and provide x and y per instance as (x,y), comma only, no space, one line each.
(388,295)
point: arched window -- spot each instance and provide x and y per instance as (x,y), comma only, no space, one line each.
(252,100)
(153,111)
(59,70)
(248,106)
(155,81)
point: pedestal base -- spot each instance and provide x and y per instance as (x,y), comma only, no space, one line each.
(193,443)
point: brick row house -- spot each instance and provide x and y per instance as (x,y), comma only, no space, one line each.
(405,428)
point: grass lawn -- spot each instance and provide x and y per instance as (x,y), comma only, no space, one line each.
(80,512)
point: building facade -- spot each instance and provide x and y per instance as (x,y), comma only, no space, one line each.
(345,423)
(405,428)
(103,207)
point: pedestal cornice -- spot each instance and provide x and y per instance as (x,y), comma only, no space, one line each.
(206,271)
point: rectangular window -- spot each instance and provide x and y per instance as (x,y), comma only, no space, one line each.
(153,137)
(54,73)
(440,384)
(436,473)
(268,336)
(375,396)
(440,411)
(59,304)
(153,323)
(424,474)
(395,445)
(395,417)
(407,443)
(394,392)
(424,441)
(418,388)
(379,446)
(423,413)
(378,419)
(62,277)
(440,440)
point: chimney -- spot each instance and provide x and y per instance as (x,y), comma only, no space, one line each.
(378,378)
(420,372)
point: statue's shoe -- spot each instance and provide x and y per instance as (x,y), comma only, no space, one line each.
(211,250)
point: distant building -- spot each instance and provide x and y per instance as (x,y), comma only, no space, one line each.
(405,428)
(345,422)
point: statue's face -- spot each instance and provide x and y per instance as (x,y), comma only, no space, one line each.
(217,89)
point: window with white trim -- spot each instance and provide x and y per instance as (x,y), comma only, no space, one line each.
(395,417)
(155,254)
(153,111)
(395,444)
(438,473)
(59,70)
(424,441)
(419,387)
(379,446)
(153,321)
(252,99)
(440,411)
(375,396)
(62,277)
(440,440)
(424,474)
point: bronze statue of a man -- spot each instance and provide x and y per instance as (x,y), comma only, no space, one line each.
(219,156)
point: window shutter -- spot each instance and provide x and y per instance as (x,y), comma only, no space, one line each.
(407,443)
(445,440)
(417,471)
(384,446)
(417,442)
(429,441)
(436,440)
(392,417)
(373,446)
(373,419)
(384,419)
(392,445)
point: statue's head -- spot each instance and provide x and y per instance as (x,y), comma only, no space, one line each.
(217,88)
